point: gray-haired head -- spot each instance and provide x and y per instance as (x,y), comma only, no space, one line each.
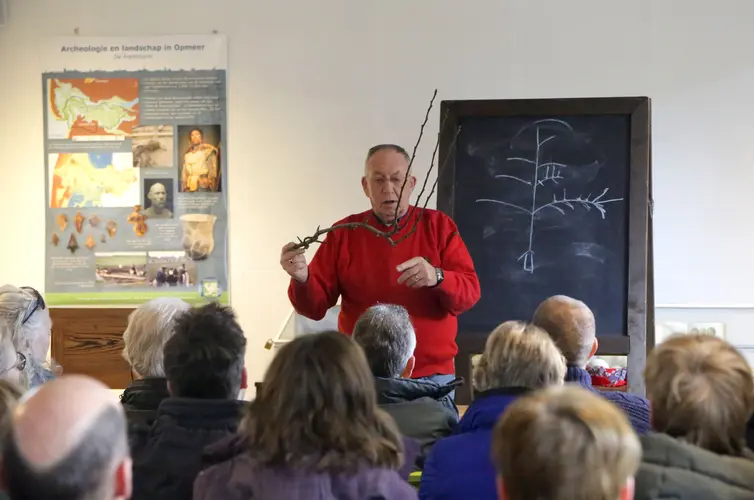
(149,327)
(387,336)
(570,323)
(21,310)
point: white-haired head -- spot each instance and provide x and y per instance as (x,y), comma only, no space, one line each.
(149,326)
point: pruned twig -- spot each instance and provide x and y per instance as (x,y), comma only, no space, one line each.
(395,226)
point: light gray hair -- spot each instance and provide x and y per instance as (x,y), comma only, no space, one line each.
(15,304)
(570,323)
(387,336)
(149,327)
(518,354)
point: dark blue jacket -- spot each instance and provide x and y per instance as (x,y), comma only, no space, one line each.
(460,466)
(635,407)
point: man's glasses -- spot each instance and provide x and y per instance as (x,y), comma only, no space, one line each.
(20,363)
(37,303)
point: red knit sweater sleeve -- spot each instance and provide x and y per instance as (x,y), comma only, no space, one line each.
(460,289)
(321,290)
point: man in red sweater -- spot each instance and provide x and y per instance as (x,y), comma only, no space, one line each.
(430,273)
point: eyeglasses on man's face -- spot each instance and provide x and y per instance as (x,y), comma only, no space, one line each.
(20,364)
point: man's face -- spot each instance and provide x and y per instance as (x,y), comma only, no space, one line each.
(8,367)
(196,137)
(385,173)
(157,195)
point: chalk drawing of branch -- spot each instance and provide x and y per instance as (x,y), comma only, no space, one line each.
(551,173)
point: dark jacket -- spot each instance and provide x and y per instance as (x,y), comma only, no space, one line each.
(635,407)
(459,466)
(232,475)
(422,409)
(671,468)
(166,467)
(140,401)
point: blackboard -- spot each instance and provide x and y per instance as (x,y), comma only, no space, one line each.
(551,197)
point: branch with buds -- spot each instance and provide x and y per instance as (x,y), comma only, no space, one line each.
(395,227)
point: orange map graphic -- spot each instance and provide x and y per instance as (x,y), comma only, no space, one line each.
(93,107)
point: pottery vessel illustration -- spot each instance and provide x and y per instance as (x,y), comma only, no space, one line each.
(198,235)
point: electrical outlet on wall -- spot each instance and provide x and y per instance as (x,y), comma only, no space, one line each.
(712,328)
(664,329)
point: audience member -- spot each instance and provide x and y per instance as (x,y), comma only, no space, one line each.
(702,395)
(577,447)
(24,311)
(571,325)
(314,432)
(149,327)
(10,393)
(517,358)
(204,365)
(423,409)
(13,365)
(68,442)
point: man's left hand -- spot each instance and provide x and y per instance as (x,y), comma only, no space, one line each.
(417,273)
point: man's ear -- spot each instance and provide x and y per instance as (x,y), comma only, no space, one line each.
(123,480)
(409,367)
(244,379)
(364,186)
(170,390)
(501,494)
(595,346)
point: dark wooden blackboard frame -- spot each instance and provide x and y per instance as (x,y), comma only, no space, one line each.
(640,317)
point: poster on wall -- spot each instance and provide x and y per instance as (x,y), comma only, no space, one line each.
(135,138)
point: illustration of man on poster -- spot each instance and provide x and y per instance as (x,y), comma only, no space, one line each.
(201,165)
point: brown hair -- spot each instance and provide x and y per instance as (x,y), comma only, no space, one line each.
(564,443)
(702,391)
(317,409)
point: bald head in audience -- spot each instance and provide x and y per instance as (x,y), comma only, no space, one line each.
(68,441)
(571,325)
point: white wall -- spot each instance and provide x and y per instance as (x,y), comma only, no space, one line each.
(314,84)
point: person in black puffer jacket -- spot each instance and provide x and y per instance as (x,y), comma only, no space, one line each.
(204,364)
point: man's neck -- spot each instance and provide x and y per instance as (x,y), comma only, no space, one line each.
(394,221)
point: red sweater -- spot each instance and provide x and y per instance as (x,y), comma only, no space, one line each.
(360,266)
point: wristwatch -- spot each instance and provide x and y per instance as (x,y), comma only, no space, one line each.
(440,276)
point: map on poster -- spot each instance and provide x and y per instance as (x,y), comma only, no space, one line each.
(136,173)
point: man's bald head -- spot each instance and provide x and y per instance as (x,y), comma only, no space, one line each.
(68,440)
(570,323)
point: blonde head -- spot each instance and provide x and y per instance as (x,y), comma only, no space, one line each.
(518,354)
(577,446)
(701,391)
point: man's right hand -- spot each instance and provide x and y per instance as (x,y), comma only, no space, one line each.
(294,263)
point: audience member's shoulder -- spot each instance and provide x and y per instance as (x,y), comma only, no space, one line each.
(626,397)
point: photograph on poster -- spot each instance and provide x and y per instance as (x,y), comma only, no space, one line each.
(123,269)
(96,179)
(199,168)
(92,108)
(171,269)
(158,198)
(152,146)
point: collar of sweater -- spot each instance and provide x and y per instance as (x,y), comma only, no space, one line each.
(579,375)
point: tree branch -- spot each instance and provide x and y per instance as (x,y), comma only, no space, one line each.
(395,226)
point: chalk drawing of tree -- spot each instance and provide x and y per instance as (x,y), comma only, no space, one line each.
(542,173)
